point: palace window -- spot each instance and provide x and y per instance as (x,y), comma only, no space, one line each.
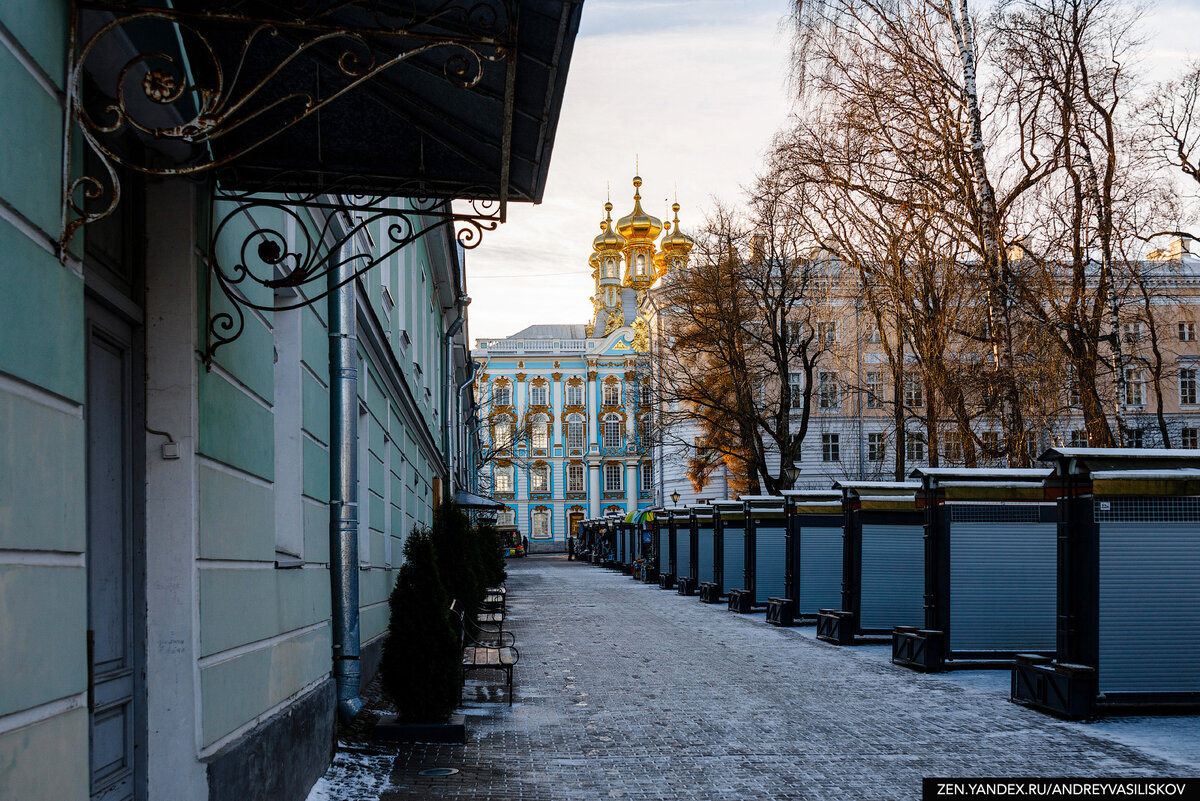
(502,396)
(538,395)
(612,431)
(1189,437)
(539,434)
(1133,331)
(539,478)
(506,517)
(645,392)
(575,431)
(1078,438)
(1134,438)
(647,476)
(876,446)
(574,478)
(574,394)
(504,478)
(830,448)
(541,524)
(639,263)
(991,443)
(1187,331)
(612,394)
(502,433)
(612,477)
(873,337)
(644,430)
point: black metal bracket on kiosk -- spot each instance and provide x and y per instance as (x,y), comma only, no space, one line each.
(920,649)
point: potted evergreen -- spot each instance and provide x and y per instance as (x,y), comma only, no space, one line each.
(421,669)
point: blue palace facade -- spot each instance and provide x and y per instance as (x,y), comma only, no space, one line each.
(566,410)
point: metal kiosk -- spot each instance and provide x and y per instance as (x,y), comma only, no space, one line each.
(813,557)
(684,565)
(662,550)
(990,565)
(703,544)
(883,562)
(729,550)
(1128,585)
(765,555)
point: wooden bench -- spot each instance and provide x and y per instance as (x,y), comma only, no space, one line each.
(500,654)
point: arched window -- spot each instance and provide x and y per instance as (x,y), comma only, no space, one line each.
(639,263)
(575,431)
(643,425)
(610,268)
(612,431)
(538,432)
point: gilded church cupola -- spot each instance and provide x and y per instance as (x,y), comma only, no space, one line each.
(640,230)
(675,245)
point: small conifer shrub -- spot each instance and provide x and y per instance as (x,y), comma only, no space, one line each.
(421,669)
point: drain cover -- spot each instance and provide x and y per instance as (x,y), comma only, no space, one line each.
(438,772)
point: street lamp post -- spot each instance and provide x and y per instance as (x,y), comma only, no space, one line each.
(675,498)
(791,473)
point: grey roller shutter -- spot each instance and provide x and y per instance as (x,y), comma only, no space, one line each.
(734,559)
(683,550)
(770,559)
(664,549)
(1002,586)
(1149,607)
(893,576)
(706,542)
(820,569)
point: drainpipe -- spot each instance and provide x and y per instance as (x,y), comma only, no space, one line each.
(343,484)
(451,404)
(460,426)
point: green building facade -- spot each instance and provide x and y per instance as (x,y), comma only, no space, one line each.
(166,613)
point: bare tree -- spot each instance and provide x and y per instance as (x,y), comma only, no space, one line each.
(739,319)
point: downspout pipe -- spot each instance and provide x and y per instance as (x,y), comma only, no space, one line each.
(343,469)
(450,409)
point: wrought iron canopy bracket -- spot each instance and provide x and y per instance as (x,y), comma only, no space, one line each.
(196,87)
(289,245)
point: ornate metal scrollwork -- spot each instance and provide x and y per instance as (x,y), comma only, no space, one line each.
(230,76)
(280,242)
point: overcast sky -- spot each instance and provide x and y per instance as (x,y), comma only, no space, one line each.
(695,89)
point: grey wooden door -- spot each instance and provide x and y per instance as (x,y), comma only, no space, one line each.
(113,680)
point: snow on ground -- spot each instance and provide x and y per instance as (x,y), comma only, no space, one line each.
(1171,737)
(357,774)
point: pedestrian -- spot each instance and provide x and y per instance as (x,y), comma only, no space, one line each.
(525,544)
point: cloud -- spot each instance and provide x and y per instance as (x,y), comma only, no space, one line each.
(693,90)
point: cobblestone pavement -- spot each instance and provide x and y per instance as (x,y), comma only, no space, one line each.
(627,691)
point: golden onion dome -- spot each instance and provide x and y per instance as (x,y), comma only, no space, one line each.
(608,239)
(594,263)
(676,242)
(638,224)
